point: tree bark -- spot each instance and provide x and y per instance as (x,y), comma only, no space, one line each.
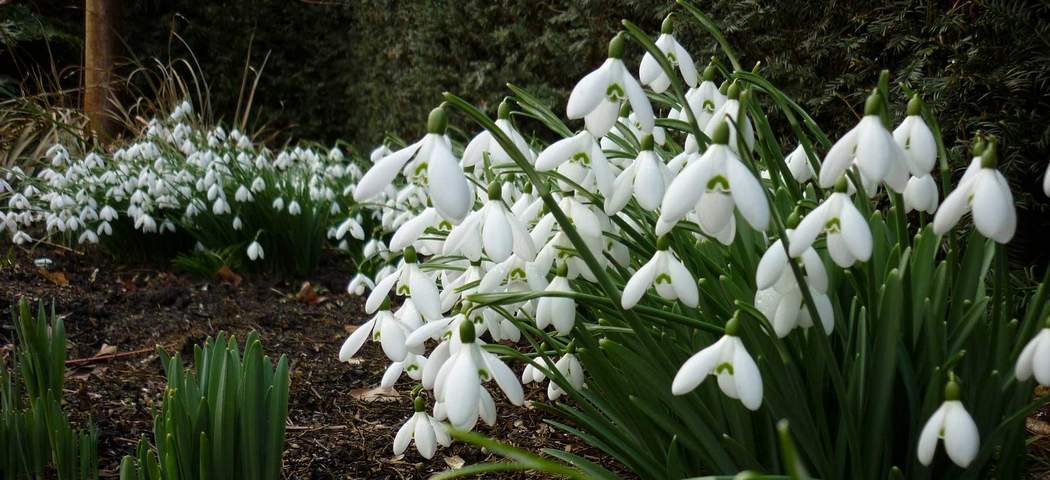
(100,44)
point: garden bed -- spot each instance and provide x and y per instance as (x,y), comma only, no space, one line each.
(338,426)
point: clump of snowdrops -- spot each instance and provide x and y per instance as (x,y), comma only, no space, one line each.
(181,186)
(851,295)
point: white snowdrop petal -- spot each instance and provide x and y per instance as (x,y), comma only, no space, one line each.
(639,283)
(404,435)
(462,390)
(748,380)
(961,439)
(697,368)
(426,443)
(930,435)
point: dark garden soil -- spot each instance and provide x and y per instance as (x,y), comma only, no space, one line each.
(338,427)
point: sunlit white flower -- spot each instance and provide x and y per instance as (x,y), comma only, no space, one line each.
(411,282)
(429,161)
(714,185)
(870,147)
(255,251)
(704,101)
(485,147)
(1035,359)
(848,235)
(667,274)
(580,159)
(798,163)
(412,366)
(569,366)
(352,226)
(458,383)
(384,328)
(727,359)
(598,95)
(427,432)
(987,195)
(952,423)
(492,231)
(650,73)
(728,113)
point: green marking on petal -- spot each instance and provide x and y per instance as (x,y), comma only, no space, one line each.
(718,182)
(833,225)
(614,92)
(724,367)
(582,157)
(662,278)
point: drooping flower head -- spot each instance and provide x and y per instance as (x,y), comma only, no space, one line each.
(984,192)
(953,424)
(598,95)
(649,71)
(727,359)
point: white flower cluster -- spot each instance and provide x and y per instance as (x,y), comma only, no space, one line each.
(534,226)
(174,176)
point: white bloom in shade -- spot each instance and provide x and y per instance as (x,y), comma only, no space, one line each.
(1035,359)
(921,194)
(872,149)
(703,100)
(359,284)
(916,139)
(557,311)
(21,237)
(243,194)
(650,73)
(580,159)
(798,163)
(492,230)
(645,179)
(458,383)
(598,95)
(258,185)
(278,204)
(427,432)
(987,194)
(570,368)
(255,251)
(727,359)
(779,296)
(411,282)
(952,423)
(294,208)
(1046,182)
(713,185)
(848,235)
(429,162)
(237,223)
(667,274)
(484,146)
(728,113)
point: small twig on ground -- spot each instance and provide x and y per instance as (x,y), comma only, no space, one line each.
(99,358)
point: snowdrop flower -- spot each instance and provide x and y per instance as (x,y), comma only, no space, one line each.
(703,100)
(871,148)
(848,235)
(492,230)
(598,95)
(412,365)
(664,271)
(294,208)
(952,423)
(432,156)
(987,195)
(713,185)
(350,225)
(384,328)
(1046,182)
(278,204)
(569,366)
(650,73)
(557,311)
(359,284)
(921,194)
(258,185)
(779,296)
(916,139)
(727,359)
(645,179)
(379,152)
(427,432)
(799,166)
(458,383)
(729,113)
(580,159)
(237,223)
(20,238)
(1035,359)
(484,146)
(243,194)
(255,251)
(411,282)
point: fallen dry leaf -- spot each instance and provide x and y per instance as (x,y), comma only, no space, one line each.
(57,278)
(106,350)
(378,394)
(454,462)
(308,294)
(225,275)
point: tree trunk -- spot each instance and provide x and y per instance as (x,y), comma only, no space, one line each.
(100,44)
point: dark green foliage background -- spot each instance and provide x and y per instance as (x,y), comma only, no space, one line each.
(354,70)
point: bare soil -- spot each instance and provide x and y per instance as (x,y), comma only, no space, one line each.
(117,315)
